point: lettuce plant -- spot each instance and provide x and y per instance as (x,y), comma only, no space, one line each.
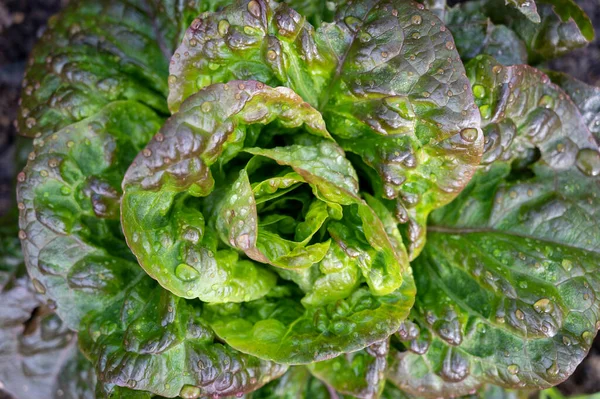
(365,198)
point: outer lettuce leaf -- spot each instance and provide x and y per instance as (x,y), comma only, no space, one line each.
(586,97)
(297,383)
(38,355)
(475,34)
(69,209)
(156,342)
(561,25)
(264,41)
(508,281)
(438,7)
(378,73)
(360,374)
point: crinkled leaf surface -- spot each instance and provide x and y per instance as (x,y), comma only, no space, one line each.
(586,97)
(563,26)
(475,34)
(188,177)
(296,383)
(384,72)
(508,280)
(157,342)
(359,374)
(38,354)
(526,7)
(69,200)
(169,236)
(97,52)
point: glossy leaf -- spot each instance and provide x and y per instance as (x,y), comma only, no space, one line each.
(156,342)
(172,244)
(526,7)
(586,98)
(69,209)
(378,73)
(475,34)
(562,26)
(38,354)
(296,383)
(508,280)
(161,191)
(359,374)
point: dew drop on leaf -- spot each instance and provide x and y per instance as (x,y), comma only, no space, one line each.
(189,392)
(416,19)
(546,101)
(39,287)
(543,306)
(479,91)
(223,27)
(513,369)
(469,135)
(588,161)
(186,272)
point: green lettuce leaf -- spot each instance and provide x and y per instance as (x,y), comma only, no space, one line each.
(557,27)
(586,97)
(38,354)
(157,342)
(476,34)
(359,374)
(198,173)
(508,280)
(379,73)
(68,198)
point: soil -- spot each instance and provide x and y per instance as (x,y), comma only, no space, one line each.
(23,21)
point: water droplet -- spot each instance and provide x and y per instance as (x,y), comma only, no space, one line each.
(206,106)
(352,22)
(416,19)
(39,287)
(30,122)
(70,144)
(546,101)
(364,37)
(172,79)
(520,315)
(543,306)
(588,161)
(64,190)
(479,91)
(567,264)
(254,8)
(513,369)
(147,152)
(189,392)
(223,27)
(469,134)
(587,337)
(186,272)
(485,111)
(22,235)
(193,42)
(271,55)
(553,370)
(450,45)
